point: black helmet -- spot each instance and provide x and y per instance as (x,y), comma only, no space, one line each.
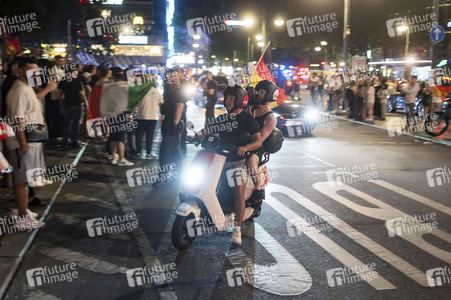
(274,141)
(272,92)
(240,93)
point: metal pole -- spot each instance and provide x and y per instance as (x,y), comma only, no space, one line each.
(69,47)
(248,46)
(432,48)
(345,33)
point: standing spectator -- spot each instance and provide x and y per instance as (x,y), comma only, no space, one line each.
(335,85)
(426,97)
(210,91)
(377,103)
(313,84)
(411,91)
(383,95)
(437,102)
(104,76)
(24,107)
(73,92)
(297,90)
(371,98)
(172,111)
(361,94)
(147,117)
(321,88)
(117,125)
(350,96)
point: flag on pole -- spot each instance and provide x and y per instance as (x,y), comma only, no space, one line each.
(112,99)
(265,70)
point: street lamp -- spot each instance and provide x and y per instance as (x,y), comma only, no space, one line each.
(260,44)
(195,45)
(196,36)
(279,22)
(235,59)
(323,43)
(317,49)
(403,28)
(213,56)
(259,37)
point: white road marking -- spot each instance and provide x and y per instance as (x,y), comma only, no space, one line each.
(314,157)
(82,260)
(384,212)
(346,258)
(290,279)
(421,199)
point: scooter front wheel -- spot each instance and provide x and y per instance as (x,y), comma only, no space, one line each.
(180,237)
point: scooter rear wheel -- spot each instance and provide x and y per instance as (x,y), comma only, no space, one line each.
(180,237)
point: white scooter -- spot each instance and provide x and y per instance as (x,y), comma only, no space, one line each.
(206,198)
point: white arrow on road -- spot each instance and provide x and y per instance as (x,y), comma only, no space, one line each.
(290,277)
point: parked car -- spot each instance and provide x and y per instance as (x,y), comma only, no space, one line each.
(396,102)
(294,119)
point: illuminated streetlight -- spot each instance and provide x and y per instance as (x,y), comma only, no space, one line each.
(249,22)
(235,59)
(403,28)
(226,58)
(317,49)
(196,36)
(279,22)
(191,53)
(201,56)
(195,45)
(259,37)
(323,43)
(213,56)
(260,44)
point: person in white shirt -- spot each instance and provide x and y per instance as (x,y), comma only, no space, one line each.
(24,108)
(313,84)
(411,91)
(147,117)
(371,98)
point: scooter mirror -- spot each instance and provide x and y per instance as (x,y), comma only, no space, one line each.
(190,125)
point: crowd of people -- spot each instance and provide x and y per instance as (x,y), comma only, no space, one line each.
(365,98)
(54,95)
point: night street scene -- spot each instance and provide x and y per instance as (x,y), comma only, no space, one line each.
(188,149)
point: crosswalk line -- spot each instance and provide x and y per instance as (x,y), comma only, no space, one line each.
(388,213)
(346,258)
(421,199)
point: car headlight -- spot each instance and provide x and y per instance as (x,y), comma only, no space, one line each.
(311,115)
(194,175)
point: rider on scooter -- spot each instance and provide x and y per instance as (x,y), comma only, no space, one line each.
(235,100)
(267,92)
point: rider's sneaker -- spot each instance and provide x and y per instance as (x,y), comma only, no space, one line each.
(236,235)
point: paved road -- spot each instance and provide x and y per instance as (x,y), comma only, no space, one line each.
(320,226)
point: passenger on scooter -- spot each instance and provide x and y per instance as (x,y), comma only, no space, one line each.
(235,100)
(267,92)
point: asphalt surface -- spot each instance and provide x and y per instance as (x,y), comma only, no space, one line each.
(386,178)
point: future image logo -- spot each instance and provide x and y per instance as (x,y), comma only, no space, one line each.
(438,276)
(398,26)
(315,24)
(438,176)
(105,26)
(209,25)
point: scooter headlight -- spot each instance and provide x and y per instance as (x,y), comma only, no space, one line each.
(194,175)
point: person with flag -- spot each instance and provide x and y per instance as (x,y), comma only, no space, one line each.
(267,93)
(115,101)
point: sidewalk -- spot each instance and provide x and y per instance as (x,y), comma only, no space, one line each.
(14,246)
(389,122)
